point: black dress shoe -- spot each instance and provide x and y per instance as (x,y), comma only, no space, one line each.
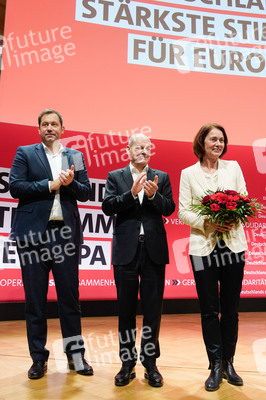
(154,377)
(80,366)
(126,373)
(230,374)
(215,378)
(37,370)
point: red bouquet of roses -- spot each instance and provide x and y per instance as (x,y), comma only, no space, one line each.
(227,206)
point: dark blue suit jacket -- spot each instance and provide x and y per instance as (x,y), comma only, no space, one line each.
(118,200)
(29,176)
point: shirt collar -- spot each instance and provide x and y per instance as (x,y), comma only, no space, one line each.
(61,149)
(136,171)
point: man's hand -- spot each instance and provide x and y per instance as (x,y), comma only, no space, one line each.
(66,177)
(138,183)
(55,185)
(151,187)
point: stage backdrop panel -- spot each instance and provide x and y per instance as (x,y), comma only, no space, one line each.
(118,67)
(106,152)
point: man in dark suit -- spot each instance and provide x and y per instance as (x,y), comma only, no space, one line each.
(139,196)
(48,179)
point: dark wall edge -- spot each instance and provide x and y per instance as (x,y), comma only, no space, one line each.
(15,311)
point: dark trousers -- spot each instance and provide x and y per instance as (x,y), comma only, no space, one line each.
(218,279)
(147,278)
(58,254)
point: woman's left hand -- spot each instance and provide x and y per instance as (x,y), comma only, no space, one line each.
(227,227)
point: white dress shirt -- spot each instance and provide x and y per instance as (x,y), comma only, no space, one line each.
(212,180)
(135,173)
(55,161)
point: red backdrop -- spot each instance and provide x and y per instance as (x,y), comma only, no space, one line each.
(102,154)
(163,68)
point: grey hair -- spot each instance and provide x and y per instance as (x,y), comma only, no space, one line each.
(134,137)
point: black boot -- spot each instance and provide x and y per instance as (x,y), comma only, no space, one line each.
(215,378)
(230,374)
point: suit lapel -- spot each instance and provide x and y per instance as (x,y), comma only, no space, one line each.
(43,159)
(67,160)
(128,179)
(127,176)
(150,174)
(199,176)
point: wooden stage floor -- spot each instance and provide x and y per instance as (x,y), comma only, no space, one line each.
(183,363)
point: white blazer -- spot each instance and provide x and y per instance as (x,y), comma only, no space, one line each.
(193,185)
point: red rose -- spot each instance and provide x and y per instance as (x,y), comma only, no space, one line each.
(233,198)
(205,200)
(213,196)
(231,192)
(215,207)
(246,199)
(222,198)
(231,205)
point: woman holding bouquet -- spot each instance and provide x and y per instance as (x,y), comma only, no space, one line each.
(218,264)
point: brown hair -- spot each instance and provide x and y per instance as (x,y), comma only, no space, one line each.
(198,144)
(49,111)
